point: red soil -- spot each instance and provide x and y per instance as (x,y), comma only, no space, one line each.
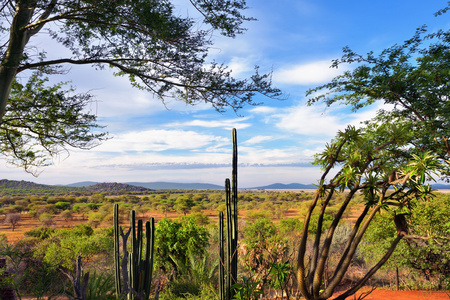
(380,294)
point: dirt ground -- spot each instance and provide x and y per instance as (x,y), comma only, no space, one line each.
(381,294)
(27,223)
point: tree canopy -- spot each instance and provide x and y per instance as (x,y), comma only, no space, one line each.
(147,41)
(413,78)
(391,159)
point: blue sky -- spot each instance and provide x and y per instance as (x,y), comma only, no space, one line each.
(297,39)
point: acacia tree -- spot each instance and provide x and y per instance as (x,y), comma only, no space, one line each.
(370,160)
(12,219)
(147,41)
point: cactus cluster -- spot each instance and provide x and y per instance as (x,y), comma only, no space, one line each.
(228,275)
(133,272)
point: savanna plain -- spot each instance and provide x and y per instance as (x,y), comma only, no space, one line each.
(44,231)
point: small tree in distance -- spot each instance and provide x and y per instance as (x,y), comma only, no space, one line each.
(12,219)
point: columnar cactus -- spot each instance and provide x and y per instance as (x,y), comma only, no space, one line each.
(222,292)
(232,230)
(136,266)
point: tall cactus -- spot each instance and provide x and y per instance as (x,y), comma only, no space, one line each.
(232,230)
(137,268)
(222,292)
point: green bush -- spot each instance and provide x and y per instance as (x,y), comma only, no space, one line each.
(175,239)
(40,232)
(62,205)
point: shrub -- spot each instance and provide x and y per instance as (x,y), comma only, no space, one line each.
(62,205)
(46,219)
(40,232)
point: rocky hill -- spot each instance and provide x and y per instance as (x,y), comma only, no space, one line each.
(23,188)
(115,188)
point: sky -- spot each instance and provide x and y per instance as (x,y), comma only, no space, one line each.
(296,40)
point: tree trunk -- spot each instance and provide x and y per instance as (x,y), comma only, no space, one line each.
(14,53)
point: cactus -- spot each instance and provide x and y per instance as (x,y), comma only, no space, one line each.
(137,270)
(232,231)
(221,259)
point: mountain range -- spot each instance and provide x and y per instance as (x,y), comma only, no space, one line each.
(159,185)
(142,186)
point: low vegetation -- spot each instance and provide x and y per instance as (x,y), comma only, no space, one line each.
(270,226)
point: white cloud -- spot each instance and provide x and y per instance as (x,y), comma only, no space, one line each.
(257,139)
(322,121)
(240,65)
(159,140)
(225,124)
(263,110)
(307,74)
(308,120)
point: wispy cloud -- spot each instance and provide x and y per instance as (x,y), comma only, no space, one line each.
(309,120)
(240,123)
(317,120)
(257,139)
(159,140)
(307,74)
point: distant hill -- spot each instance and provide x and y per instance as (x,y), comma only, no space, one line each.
(81,184)
(21,188)
(440,186)
(177,186)
(282,186)
(115,188)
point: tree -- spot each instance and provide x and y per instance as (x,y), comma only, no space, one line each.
(147,41)
(175,239)
(413,76)
(46,219)
(66,215)
(428,252)
(370,161)
(183,205)
(262,247)
(61,250)
(12,219)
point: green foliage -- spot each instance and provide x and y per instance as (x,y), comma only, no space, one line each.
(175,239)
(31,275)
(259,214)
(281,273)
(262,247)
(133,38)
(261,231)
(313,225)
(180,288)
(426,250)
(247,290)
(412,76)
(369,160)
(40,232)
(100,286)
(62,205)
(200,218)
(32,132)
(46,219)
(290,228)
(62,247)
